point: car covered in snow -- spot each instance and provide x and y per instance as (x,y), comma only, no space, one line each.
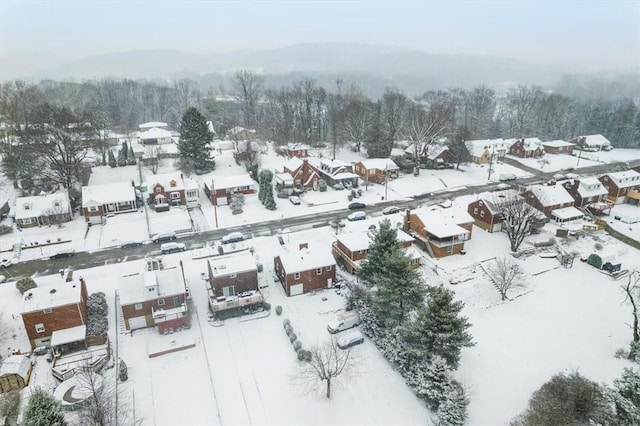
(350,339)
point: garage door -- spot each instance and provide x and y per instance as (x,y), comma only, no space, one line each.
(221,201)
(137,322)
(497,227)
(296,289)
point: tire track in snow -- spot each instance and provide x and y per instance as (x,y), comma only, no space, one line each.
(255,381)
(235,366)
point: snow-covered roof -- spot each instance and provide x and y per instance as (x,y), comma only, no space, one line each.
(15,364)
(152,124)
(551,195)
(181,182)
(295,259)
(529,144)
(567,213)
(68,335)
(494,200)
(41,205)
(379,164)
(360,240)
(596,140)
(591,187)
(285,178)
(154,133)
(293,163)
(557,144)
(150,285)
(497,144)
(344,175)
(432,150)
(222,266)
(332,164)
(444,223)
(237,129)
(62,294)
(296,146)
(108,193)
(228,182)
(625,179)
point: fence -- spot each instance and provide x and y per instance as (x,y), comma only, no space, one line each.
(622,237)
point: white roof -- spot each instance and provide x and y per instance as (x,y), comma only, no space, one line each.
(293,163)
(590,187)
(494,200)
(41,205)
(359,240)
(238,129)
(154,133)
(41,298)
(444,222)
(305,259)
(227,182)
(596,140)
(567,213)
(551,195)
(150,285)
(558,143)
(107,193)
(151,124)
(284,178)
(15,364)
(222,266)
(68,335)
(165,181)
(625,179)
(432,150)
(379,164)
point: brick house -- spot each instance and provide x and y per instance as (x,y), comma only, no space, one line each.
(558,147)
(291,150)
(303,269)
(41,210)
(171,190)
(585,191)
(101,200)
(622,186)
(335,172)
(547,198)
(53,308)
(442,232)
(592,143)
(220,189)
(486,210)
(304,174)
(376,169)
(351,248)
(527,148)
(156,296)
(431,155)
(232,274)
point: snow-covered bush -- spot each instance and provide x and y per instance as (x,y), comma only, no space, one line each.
(285,322)
(322,185)
(278,310)
(97,304)
(123,373)
(302,355)
(9,403)
(24,284)
(4,229)
(43,409)
(297,345)
(292,337)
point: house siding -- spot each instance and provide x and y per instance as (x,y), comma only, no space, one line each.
(130,311)
(485,220)
(309,279)
(243,281)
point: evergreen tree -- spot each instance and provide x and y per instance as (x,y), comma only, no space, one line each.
(125,150)
(131,157)
(439,329)
(383,242)
(399,289)
(43,410)
(122,158)
(453,409)
(112,159)
(269,202)
(194,145)
(237,200)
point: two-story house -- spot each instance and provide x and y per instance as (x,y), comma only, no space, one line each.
(101,200)
(592,143)
(172,189)
(304,174)
(220,189)
(304,269)
(547,198)
(291,150)
(527,148)
(335,172)
(586,191)
(487,209)
(232,274)
(430,155)
(442,232)
(622,186)
(376,169)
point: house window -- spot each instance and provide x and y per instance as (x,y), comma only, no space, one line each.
(296,276)
(233,276)
(160,302)
(138,306)
(481,213)
(40,328)
(228,291)
(192,194)
(328,268)
(47,311)
(318,271)
(475,210)
(93,209)
(158,189)
(174,195)
(177,301)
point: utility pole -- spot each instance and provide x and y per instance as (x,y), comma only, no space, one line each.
(386,181)
(491,161)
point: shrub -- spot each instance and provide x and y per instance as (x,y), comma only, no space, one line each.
(297,345)
(359,192)
(4,229)
(9,403)
(292,337)
(350,197)
(598,246)
(24,284)
(285,322)
(123,374)
(278,310)
(322,185)
(266,306)
(301,354)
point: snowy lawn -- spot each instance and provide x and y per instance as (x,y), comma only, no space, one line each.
(625,211)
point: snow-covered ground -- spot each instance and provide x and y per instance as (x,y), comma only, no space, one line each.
(555,162)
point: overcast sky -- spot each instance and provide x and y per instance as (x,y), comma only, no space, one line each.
(606,33)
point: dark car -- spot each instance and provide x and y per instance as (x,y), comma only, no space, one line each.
(357,206)
(391,210)
(63,254)
(164,237)
(129,244)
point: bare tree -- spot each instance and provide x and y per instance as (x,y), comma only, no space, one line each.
(63,153)
(187,91)
(506,274)
(248,84)
(522,103)
(357,118)
(480,107)
(394,105)
(99,407)
(327,363)
(518,217)
(631,290)
(151,158)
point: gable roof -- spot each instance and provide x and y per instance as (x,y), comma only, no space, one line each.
(551,195)
(293,163)
(108,193)
(596,140)
(152,124)
(591,187)
(154,133)
(181,182)
(379,164)
(625,179)
(228,182)
(62,294)
(299,260)
(15,364)
(557,143)
(41,205)
(495,200)
(444,222)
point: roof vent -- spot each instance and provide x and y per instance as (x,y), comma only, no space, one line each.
(52,291)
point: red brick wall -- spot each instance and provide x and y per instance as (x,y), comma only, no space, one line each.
(244,281)
(87,214)
(60,318)
(310,280)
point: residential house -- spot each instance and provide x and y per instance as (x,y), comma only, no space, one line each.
(349,249)
(43,209)
(155,297)
(241,134)
(155,136)
(586,191)
(291,150)
(58,307)
(232,274)
(15,372)
(220,189)
(441,232)
(486,210)
(101,200)
(284,181)
(558,147)
(547,198)
(622,186)
(335,172)
(376,169)
(430,155)
(172,189)
(482,151)
(303,173)
(152,124)
(304,269)
(592,143)
(527,148)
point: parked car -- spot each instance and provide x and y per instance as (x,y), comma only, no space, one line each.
(357,206)
(168,248)
(343,321)
(294,200)
(503,186)
(164,237)
(233,237)
(2,279)
(129,244)
(559,176)
(507,176)
(391,210)
(63,254)
(5,263)
(356,216)
(572,176)
(350,339)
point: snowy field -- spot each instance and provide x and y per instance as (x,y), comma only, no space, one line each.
(555,162)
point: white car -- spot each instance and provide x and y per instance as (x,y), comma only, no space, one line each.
(5,263)
(294,200)
(233,237)
(350,339)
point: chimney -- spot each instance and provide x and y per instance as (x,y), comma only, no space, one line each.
(406,221)
(181,176)
(133,183)
(303,246)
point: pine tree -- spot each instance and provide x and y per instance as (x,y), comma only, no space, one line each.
(43,410)
(194,145)
(439,329)
(131,157)
(112,159)
(453,409)
(122,158)
(383,241)
(399,289)
(269,202)
(237,200)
